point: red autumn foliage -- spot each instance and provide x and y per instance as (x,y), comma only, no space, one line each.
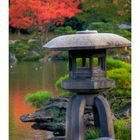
(39,14)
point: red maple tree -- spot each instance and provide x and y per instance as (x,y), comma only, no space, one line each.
(40,15)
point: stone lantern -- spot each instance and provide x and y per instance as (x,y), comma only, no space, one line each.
(87,77)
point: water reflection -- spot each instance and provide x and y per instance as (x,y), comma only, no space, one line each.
(27,78)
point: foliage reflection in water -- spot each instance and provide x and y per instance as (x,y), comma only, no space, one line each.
(27,78)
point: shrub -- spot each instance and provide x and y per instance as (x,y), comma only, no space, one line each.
(38,98)
(113,64)
(23,50)
(101,26)
(92,134)
(20,48)
(64,30)
(122,129)
(118,98)
(62,91)
(121,92)
(109,28)
(121,76)
(58,82)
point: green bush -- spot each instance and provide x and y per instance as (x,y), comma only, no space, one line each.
(120,92)
(20,48)
(122,129)
(62,91)
(118,98)
(121,76)
(38,98)
(58,82)
(101,26)
(92,134)
(23,50)
(113,64)
(109,28)
(79,61)
(64,30)
(124,33)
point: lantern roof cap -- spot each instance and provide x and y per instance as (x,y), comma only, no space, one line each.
(89,39)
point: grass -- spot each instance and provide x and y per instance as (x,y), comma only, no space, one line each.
(38,98)
(92,134)
(122,129)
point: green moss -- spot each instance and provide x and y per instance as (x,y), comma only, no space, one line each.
(38,98)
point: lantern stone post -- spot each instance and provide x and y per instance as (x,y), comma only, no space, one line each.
(87,77)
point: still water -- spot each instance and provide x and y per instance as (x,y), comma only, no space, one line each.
(27,78)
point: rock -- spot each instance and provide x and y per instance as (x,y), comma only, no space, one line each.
(31,40)
(124,112)
(58,58)
(58,138)
(50,135)
(41,60)
(124,26)
(104,138)
(58,128)
(33,54)
(89,120)
(13,41)
(51,116)
(12,58)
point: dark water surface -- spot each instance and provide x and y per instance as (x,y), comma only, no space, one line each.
(27,78)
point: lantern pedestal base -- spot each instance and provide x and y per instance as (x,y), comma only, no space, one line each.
(75,116)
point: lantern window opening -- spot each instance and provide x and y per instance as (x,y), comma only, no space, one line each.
(81,67)
(82,62)
(86,66)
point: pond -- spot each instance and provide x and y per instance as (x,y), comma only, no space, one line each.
(26,78)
